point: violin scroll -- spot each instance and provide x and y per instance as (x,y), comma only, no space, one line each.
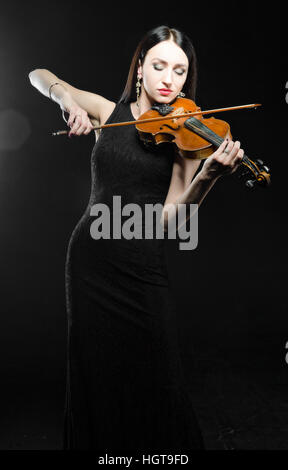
(259,170)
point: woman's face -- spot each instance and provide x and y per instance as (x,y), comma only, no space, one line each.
(165,67)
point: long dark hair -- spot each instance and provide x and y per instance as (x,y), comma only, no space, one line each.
(153,37)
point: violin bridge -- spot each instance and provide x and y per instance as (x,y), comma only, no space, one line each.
(178,111)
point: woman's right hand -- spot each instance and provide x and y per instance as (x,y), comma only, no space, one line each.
(78,121)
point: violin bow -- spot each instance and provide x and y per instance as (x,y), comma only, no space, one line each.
(163,118)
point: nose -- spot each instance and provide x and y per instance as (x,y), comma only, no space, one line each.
(167,78)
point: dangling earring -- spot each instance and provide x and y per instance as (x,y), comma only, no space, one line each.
(138,87)
(181,95)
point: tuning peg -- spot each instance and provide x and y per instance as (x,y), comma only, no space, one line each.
(250,183)
(261,164)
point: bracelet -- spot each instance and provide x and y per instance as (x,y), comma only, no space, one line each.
(56,83)
(63,115)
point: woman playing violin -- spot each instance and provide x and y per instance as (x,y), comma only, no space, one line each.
(125,385)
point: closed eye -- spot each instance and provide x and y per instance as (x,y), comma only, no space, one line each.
(157,67)
(160,67)
(181,72)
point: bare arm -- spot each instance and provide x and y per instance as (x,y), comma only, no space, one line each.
(225,160)
(67,95)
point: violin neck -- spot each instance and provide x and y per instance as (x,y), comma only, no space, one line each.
(195,125)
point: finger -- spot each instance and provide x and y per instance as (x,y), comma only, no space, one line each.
(73,123)
(88,129)
(227,151)
(222,147)
(76,125)
(239,157)
(80,129)
(237,160)
(71,119)
(234,150)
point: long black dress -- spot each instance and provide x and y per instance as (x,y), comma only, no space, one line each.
(125,387)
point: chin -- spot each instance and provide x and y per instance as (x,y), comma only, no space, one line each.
(164,99)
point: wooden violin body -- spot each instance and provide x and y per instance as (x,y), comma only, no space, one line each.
(190,144)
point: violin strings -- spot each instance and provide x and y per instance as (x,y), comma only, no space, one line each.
(199,128)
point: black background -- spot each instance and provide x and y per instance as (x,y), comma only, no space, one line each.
(230,292)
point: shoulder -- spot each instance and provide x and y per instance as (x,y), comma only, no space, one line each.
(106,111)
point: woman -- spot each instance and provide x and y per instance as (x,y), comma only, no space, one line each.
(125,385)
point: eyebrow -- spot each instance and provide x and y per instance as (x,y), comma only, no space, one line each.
(164,61)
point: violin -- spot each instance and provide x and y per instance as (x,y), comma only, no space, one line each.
(182,124)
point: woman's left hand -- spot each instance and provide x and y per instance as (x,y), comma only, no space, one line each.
(225,160)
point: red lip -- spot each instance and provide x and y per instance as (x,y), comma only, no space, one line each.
(164,89)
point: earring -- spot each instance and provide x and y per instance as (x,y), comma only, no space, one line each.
(138,87)
(181,95)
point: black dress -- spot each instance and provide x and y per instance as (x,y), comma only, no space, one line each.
(125,387)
